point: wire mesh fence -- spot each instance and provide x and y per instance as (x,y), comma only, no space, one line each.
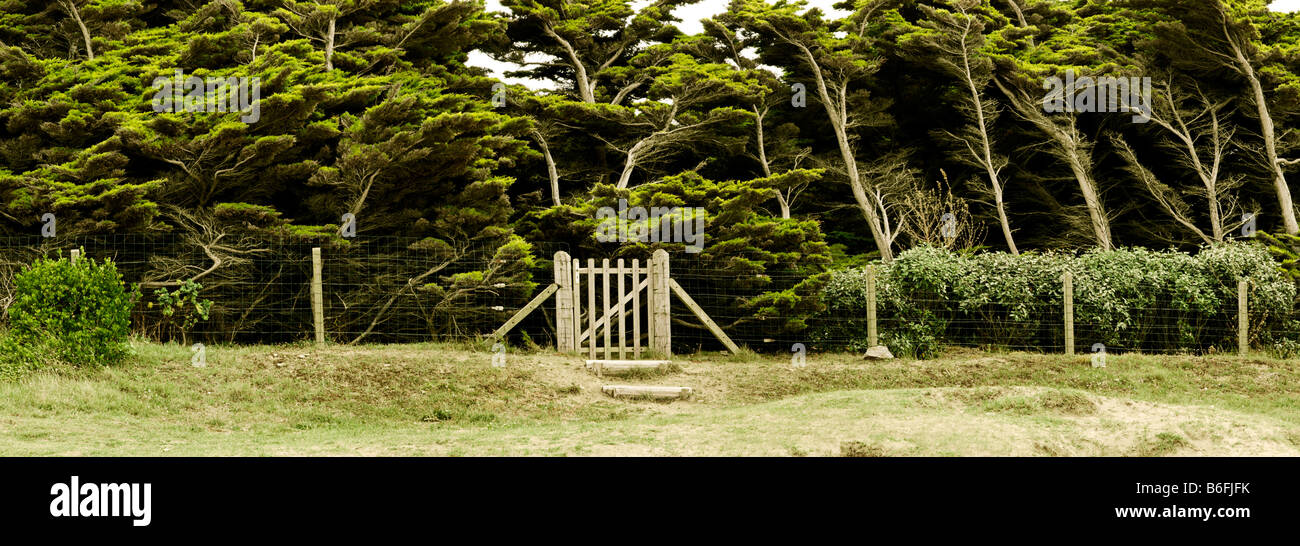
(394,289)
(387,289)
(910,320)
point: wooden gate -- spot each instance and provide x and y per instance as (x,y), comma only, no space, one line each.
(604,309)
(627,300)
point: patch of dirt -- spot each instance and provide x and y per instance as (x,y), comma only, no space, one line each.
(861,449)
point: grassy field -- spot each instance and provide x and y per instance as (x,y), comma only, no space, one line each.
(432,399)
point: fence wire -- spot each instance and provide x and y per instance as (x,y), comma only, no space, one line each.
(395,289)
(378,289)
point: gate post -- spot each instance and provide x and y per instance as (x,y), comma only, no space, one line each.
(660,307)
(564,324)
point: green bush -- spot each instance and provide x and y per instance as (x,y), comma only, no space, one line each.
(1128,299)
(72,313)
(182,308)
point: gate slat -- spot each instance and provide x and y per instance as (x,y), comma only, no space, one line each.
(576,273)
(622,328)
(636,309)
(604,303)
(591,304)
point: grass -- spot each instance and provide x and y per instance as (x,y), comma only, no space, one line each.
(1164,443)
(447,399)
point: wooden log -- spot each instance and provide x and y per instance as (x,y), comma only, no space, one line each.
(618,367)
(704,317)
(647,391)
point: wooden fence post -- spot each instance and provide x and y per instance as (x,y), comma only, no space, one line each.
(872,334)
(1067,281)
(317,296)
(1243,320)
(564,337)
(660,307)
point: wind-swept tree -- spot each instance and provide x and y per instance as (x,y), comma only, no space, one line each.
(1022,68)
(836,56)
(1217,37)
(586,46)
(954,41)
(1199,132)
(688,101)
(775,145)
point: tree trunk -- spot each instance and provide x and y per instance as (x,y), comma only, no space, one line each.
(1100,224)
(762,160)
(1216,221)
(1020,16)
(584,83)
(628,166)
(1006,224)
(838,117)
(551,172)
(1268,132)
(1067,144)
(329,47)
(987,148)
(85,32)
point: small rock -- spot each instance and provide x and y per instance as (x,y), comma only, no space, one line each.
(879,352)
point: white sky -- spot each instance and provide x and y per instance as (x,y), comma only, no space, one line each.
(691,16)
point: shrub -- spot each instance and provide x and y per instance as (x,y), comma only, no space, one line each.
(1128,299)
(74,313)
(913,340)
(182,308)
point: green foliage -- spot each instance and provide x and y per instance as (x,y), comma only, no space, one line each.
(182,307)
(72,313)
(914,339)
(776,265)
(1285,248)
(793,127)
(1128,299)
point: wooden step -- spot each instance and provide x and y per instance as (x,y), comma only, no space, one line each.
(619,367)
(648,391)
